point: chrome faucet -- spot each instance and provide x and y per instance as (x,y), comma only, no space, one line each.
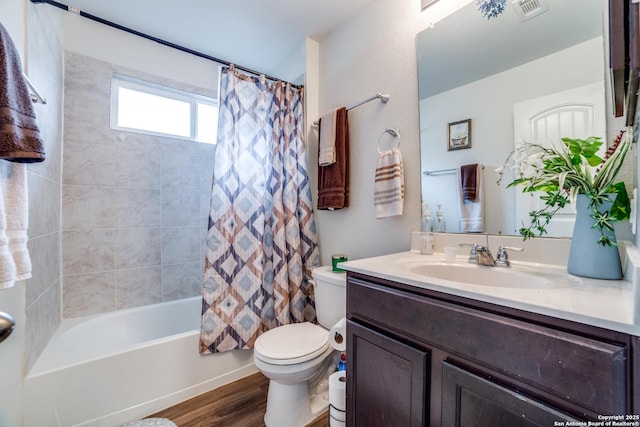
(6,325)
(485,257)
(502,259)
(473,252)
(481,255)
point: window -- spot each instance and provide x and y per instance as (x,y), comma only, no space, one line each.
(140,106)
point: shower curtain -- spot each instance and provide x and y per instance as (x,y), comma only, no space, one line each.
(261,242)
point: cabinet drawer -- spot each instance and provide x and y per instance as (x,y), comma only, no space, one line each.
(590,373)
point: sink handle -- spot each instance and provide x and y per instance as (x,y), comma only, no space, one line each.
(502,258)
(473,252)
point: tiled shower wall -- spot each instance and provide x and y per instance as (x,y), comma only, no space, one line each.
(134,206)
(45,70)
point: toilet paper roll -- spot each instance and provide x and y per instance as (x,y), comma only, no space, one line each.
(335,422)
(338,335)
(337,415)
(338,392)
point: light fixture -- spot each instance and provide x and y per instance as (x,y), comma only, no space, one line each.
(491,8)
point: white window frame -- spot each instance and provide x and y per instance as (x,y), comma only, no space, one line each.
(121,81)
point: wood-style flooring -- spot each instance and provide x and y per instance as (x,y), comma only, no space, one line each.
(239,404)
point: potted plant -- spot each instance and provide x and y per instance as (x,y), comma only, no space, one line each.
(575,172)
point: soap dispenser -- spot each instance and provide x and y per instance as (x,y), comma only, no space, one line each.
(426,242)
(425,226)
(441,225)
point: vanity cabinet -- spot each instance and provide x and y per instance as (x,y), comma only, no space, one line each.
(419,357)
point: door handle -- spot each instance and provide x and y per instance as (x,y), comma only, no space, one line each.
(6,325)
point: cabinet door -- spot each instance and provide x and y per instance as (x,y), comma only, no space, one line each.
(387,381)
(471,401)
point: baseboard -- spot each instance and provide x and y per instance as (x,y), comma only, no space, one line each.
(163,402)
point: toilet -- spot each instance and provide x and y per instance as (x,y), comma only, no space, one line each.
(297,358)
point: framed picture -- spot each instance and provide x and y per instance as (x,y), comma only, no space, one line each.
(459,135)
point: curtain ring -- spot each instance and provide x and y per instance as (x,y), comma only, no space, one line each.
(394,132)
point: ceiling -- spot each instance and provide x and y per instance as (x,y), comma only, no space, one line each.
(476,47)
(257,34)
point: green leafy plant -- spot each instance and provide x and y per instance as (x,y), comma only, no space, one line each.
(563,173)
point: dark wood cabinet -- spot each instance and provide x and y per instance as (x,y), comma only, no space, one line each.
(473,401)
(389,380)
(618,52)
(421,357)
(624,59)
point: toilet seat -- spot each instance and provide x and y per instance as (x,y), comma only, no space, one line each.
(291,344)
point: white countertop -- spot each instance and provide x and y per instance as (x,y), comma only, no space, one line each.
(609,304)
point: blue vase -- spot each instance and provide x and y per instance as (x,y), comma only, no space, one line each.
(587,258)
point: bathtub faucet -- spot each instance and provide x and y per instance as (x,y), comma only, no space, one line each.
(6,325)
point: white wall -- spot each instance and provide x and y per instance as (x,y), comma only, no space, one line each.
(100,41)
(13,18)
(373,52)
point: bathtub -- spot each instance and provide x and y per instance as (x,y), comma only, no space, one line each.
(109,369)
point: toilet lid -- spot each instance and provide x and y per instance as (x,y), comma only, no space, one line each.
(294,343)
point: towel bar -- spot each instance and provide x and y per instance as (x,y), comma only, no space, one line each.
(442,171)
(35,95)
(383,98)
(395,132)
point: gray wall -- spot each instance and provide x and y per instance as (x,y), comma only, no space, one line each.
(372,52)
(45,70)
(134,206)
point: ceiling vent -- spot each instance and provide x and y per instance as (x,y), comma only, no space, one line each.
(527,9)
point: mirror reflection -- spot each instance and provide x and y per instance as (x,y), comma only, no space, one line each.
(496,76)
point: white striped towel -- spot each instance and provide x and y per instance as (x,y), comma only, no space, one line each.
(15,263)
(389,184)
(327,144)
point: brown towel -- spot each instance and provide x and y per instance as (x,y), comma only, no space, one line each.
(333,180)
(468,181)
(19,134)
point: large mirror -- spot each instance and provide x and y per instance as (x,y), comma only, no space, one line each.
(485,76)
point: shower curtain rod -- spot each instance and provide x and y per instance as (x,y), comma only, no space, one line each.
(156,39)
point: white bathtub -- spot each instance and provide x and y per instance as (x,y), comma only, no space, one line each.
(112,368)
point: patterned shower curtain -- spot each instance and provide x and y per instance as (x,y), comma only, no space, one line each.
(261,242)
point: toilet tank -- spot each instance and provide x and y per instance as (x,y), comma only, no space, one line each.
(330,291)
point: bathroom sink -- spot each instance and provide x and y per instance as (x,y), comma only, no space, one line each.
(517,278)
